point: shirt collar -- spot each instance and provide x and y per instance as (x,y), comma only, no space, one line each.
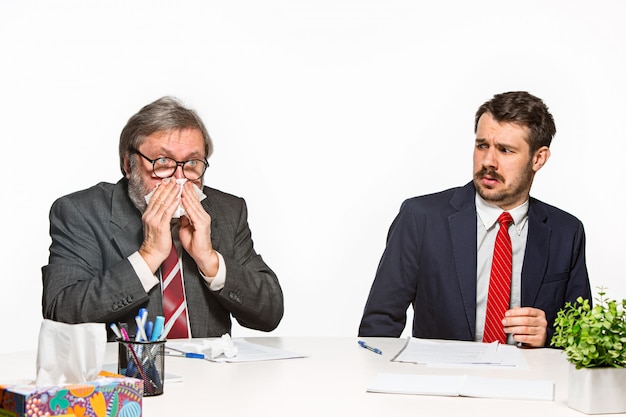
(489,213)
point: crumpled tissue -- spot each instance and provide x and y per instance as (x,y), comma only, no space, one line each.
(180,211)
(210,348)
(70,353)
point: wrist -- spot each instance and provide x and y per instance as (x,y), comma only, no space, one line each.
(211,265)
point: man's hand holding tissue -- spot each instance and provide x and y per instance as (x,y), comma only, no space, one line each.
(157,235)
(195,232)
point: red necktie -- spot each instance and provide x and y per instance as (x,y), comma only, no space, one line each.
(174,304)
(499,283)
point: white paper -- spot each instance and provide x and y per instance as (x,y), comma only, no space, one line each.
(463,385)
(70,353)
(210,348)
(246,351)
(446,353)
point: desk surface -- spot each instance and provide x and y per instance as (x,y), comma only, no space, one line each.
(330,381)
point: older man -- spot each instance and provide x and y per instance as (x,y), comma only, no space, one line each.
(159,239)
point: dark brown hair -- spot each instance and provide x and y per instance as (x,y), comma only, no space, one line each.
(524,109)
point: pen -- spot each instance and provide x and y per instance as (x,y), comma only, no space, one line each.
(368,347)
(185,354)
(124,334)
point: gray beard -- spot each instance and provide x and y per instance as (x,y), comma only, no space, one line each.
(137,191)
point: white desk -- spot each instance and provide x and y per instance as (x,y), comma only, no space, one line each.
(331,381)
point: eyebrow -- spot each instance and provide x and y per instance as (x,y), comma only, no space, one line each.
(499,144)
(192,155)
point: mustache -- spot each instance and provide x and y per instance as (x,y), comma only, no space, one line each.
(489,173)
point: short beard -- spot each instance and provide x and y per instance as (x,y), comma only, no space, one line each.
(136,189)
(505,196)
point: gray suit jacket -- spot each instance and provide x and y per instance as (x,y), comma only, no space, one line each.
(89,278)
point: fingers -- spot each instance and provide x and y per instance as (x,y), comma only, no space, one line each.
(164,201)
(156,224)
(196,214)
(195,228)
(528,325)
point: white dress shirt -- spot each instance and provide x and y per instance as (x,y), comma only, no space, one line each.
(487,228)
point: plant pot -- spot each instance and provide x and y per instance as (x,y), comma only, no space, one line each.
(597,390)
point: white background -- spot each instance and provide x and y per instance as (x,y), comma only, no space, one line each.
(325,115)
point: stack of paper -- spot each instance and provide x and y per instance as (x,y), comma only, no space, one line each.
(445,353)
(463,385)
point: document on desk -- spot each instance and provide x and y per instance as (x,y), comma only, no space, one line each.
(447,353)
(246,351)
(462,386)
(251,352)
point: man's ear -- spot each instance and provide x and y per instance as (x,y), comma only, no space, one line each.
(540,158)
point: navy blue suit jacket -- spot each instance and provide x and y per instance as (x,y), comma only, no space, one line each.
(430,262)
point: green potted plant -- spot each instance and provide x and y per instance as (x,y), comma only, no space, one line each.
(594,341)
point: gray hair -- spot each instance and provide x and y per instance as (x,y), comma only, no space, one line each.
(163,115)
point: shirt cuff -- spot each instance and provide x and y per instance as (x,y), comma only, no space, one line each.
(147,278)
(216,283)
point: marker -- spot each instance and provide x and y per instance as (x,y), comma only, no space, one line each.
(158,328)
(368,347)
(149,327)
(185,354)
(141,332)
(115,330)
(143,313)
(167,329)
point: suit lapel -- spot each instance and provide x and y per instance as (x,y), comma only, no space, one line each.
(211,208)
(463,236)
(535,261)
(126,226)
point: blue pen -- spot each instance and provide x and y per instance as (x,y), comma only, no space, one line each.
(368,347)
(185,354)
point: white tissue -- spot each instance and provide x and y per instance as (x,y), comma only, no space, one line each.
(210,348)
(70,353)
(180,211)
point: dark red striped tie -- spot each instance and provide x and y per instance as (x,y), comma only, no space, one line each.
(174,304)
(499,283)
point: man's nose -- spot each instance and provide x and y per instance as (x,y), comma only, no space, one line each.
(178,173)
(490,158)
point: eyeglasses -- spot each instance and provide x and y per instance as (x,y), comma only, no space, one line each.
(165,167)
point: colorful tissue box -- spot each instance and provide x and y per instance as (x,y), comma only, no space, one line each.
(110,395)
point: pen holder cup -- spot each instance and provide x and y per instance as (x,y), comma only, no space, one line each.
(145,361)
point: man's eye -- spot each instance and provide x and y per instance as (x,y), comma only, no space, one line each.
(481,146)
(162,161)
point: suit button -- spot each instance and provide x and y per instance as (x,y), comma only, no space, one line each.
(235,297)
